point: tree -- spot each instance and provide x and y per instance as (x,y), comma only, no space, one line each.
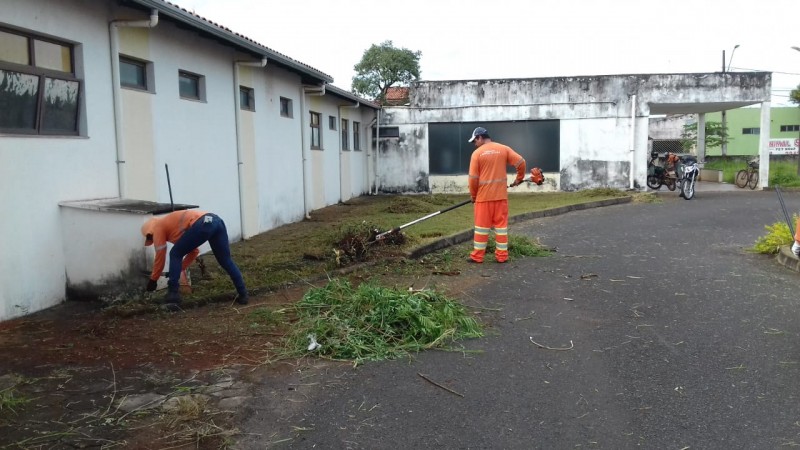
(794,96)
(716,134)
(382,67)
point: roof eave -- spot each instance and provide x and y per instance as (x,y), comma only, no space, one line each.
(176,13)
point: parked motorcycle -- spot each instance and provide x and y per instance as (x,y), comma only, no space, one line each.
(690,172)
(658,175)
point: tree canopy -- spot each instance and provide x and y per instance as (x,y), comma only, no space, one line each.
(382,67)
(716,134)
(794,96)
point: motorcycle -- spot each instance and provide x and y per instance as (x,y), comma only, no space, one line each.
(658,175)
(690,172)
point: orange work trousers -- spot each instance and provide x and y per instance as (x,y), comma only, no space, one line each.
(488,215)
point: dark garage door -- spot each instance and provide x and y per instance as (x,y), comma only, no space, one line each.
(537,141)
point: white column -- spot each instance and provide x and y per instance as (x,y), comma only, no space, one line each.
(763,146)
(701,137)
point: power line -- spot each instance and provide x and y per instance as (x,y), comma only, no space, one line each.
(761,70)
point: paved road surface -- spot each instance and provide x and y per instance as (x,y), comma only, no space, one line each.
(678,338)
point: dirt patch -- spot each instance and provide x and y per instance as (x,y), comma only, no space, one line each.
(72,375)
(72,366)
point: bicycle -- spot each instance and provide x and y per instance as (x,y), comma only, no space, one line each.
(748,176)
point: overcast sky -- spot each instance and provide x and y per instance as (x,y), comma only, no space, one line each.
(477,39)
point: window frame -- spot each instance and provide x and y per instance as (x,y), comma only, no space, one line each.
(250,93)
(201,85)
(149,74)
(789,128)
(357,136)
(332,123)
(43,75)
(752,130)
(316,130)
(289,109)
(345,135)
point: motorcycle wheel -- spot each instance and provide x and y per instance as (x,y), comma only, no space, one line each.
(671,183)
(653,182)
(687,188)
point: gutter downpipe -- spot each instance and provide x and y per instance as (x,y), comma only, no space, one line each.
(377,144)
(237,113)
(315,90)
(633,138)
(341,149)
(122,181)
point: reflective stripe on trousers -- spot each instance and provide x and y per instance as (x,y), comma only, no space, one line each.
(488,215)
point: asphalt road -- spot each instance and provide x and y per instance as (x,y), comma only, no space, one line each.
(663,333)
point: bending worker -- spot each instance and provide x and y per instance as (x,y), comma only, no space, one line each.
(187,230)
(487,186)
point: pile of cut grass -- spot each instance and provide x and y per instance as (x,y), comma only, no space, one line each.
(372,322)
(519,246)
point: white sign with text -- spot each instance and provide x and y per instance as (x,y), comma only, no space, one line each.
(784,146)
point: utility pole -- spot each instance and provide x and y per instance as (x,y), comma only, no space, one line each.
(724,147)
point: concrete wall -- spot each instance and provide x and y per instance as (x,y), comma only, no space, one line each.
(669,127)
(40,261)
(601,144)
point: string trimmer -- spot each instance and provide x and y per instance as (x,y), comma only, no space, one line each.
(394,230)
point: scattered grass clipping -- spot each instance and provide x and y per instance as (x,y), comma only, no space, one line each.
(777,234)
(372,322)
(10,398)
(519,246)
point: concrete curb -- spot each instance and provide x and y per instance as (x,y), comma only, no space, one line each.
(786,258)
(465,236)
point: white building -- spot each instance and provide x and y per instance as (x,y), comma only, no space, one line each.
(583,131)
(99,98)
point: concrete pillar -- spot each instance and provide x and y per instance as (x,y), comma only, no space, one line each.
(701,138)
(763,146)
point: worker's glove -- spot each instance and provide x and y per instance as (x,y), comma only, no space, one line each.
(796,249)
(473,199)
(151,285)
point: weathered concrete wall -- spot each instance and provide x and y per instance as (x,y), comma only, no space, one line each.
(669,127)
(601,145)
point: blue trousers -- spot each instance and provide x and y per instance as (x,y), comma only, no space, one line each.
(207,228)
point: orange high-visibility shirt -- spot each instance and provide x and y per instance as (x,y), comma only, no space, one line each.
(487,171)
(170,228)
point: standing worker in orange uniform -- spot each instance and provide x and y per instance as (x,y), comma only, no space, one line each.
(487,186)
(187,230)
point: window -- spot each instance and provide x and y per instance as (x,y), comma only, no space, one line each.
(247,99)
(751,130)
(136,74)
(345,131)
(356,136)
(191,86)
(286,108)
(790,127)
(39,92)
(389,132)
(316,138)
(332,122)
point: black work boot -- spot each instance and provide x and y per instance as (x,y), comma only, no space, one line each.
(242,299)
(172,301)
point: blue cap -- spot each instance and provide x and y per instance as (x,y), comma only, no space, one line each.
(480,131)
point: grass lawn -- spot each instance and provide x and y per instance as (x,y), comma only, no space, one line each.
(783,173)
(306,249)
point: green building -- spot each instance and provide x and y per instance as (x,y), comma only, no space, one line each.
(744,128)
